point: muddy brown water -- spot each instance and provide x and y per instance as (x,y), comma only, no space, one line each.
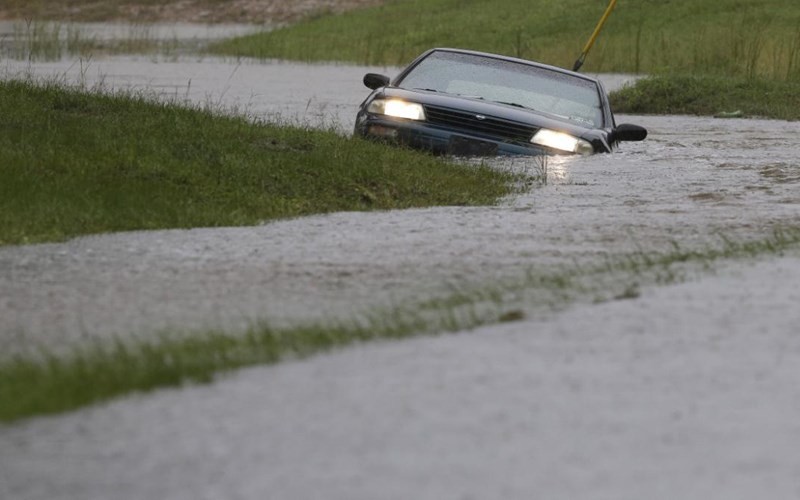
(691,181)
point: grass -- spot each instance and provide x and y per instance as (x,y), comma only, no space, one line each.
(51,384)
(75,163)
(724,37)
(709,95)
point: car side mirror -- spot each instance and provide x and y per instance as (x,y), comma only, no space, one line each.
(375,81)
(628,132)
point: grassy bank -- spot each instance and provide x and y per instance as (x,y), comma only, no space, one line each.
(727,37)
(55,384)
(708,95)
(75,163)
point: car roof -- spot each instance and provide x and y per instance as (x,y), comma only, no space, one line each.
(510,59)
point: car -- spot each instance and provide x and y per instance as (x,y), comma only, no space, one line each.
(468,103)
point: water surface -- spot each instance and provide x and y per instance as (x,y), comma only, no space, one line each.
(692,182)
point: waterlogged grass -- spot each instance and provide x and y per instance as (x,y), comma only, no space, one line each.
(708,95)
(59,9)
(84,10)
(52,384)
(36,40)
(75,163)
(727,37)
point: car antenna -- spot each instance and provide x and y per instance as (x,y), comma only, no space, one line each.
(597,29)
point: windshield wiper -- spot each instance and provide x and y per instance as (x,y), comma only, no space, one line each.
(515,104)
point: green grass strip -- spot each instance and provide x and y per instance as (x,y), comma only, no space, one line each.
(51,384)
(75,163)
(708,95)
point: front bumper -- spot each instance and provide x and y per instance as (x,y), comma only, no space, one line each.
(428,137)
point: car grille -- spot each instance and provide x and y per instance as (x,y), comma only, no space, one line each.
(490,126)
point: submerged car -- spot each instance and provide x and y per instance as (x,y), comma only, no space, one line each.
(468,103)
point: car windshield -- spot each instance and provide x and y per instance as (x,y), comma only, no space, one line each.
(562,95)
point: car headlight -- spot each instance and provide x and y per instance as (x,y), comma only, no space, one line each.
(397,109)
(562,142)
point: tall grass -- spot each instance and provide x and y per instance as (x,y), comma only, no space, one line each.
(74,163)
(745,47)
(731,37)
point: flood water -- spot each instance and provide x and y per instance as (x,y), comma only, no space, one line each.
(689,391)
(691,182)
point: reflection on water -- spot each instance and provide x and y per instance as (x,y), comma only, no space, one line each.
(558,169)
(544,169)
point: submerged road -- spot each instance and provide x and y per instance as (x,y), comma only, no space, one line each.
(688,391)
(692,178)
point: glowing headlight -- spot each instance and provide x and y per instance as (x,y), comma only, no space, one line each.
(397,109)
(562,142)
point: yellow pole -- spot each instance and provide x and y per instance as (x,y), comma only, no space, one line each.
(596,32)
